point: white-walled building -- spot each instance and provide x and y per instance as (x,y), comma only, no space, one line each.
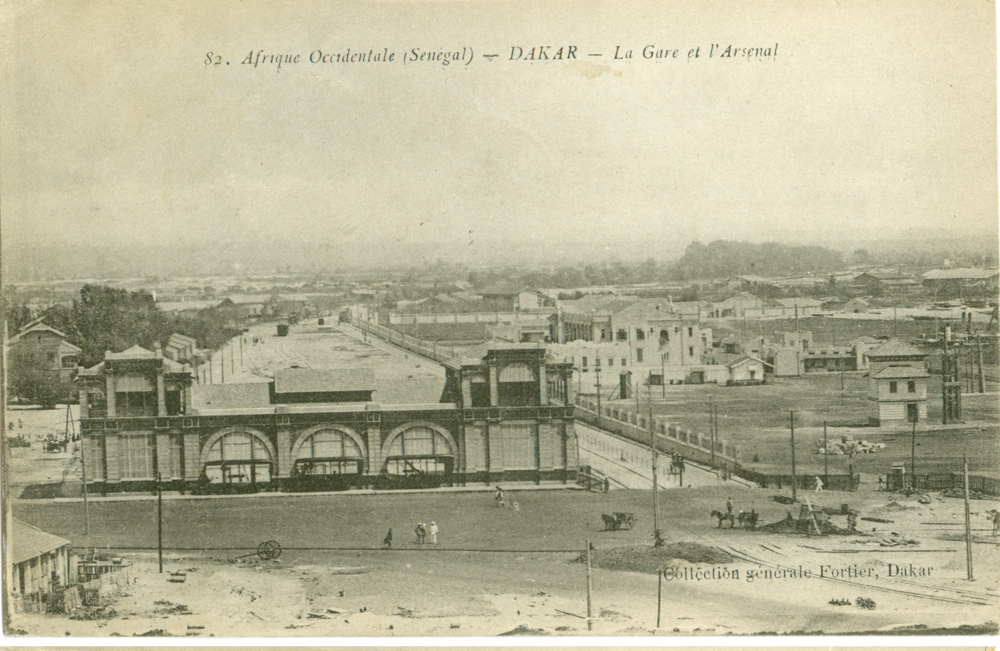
(897,384)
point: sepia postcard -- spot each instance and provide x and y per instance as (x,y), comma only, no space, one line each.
(443,319)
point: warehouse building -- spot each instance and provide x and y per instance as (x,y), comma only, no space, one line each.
(504,415)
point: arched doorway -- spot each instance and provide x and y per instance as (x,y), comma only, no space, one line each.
(238,457)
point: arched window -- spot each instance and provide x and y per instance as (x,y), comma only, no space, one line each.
(419,450)
(329,452)
(238,458)
(664,337)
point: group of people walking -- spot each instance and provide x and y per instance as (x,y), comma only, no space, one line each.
(425,533)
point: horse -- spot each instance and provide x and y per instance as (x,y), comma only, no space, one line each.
(748,519)
(724,517)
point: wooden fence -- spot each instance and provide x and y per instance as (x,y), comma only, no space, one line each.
(670,438)
(429,349)
(695,446)
(943,481)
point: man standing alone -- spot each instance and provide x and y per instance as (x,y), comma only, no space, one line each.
(433,531)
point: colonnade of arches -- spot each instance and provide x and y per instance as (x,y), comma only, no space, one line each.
(242,455)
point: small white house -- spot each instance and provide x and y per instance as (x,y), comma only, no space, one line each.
(747,369)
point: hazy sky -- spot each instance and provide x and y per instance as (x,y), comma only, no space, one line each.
(875,119)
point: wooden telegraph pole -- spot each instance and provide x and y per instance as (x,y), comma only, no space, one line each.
(791,422)
(979,364)
(83,469)
(826,454)
(159,519)
(656,479)
(711,427)
(659,596)
(590,589)
(968,524)
(597,372)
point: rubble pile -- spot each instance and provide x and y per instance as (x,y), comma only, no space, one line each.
(805,525)
(960,492)
(848,445)
(897,540)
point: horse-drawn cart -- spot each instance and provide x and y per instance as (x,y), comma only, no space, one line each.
(618,520)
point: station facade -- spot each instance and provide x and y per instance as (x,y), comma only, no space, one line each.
(504,416)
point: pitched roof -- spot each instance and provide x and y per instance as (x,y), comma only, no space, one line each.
(181,340)
(799,302)
(323,380)
(41,327)
(896,348)
(960,274)
(894,372)
(135,352)
(746,358)
(66,347)
(230,396)
(595,305)
(645,309)
(29,542)
(499,291)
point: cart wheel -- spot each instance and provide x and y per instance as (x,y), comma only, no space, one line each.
(269,550)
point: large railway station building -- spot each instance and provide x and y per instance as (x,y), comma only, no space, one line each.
(506,415)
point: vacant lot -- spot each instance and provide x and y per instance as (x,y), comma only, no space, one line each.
(757,419)
(459,588)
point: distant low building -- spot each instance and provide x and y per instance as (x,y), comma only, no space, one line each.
(957,281)
(512,298)
(855,306)
(735,307)
(526,330)
(180,348)
(747,369)
(882,281)
(829,358)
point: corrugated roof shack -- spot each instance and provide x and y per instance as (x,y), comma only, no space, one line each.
(40,564)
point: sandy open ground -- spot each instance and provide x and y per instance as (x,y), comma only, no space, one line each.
(458,587)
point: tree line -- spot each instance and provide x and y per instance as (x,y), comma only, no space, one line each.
(106,318)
